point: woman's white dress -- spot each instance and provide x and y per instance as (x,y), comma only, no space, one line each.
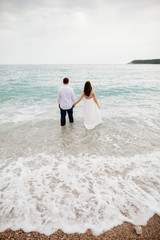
(92,114)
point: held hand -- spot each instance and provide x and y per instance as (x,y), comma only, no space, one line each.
(74,105)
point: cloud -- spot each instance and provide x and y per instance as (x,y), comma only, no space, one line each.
(81,31)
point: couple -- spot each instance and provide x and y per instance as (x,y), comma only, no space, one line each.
(66,101)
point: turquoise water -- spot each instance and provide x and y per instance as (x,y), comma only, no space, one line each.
(72,178)
(40,82)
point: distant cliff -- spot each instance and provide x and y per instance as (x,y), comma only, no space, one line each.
(147,61)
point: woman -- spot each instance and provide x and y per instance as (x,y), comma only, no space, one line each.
(92,114)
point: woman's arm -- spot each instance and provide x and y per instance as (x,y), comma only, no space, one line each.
(95,99)
(82,95)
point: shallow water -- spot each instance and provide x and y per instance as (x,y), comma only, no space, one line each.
(71,178)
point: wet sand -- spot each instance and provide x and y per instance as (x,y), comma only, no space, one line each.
(126,231)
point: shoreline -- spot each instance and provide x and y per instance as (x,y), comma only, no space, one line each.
(121,232)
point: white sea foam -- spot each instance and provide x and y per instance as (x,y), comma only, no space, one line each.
(14,112)
(46,193)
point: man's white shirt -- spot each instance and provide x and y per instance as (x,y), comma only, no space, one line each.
(66,97)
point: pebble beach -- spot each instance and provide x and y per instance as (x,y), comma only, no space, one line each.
(126,231)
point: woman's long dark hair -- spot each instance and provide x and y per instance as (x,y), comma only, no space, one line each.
(87,88)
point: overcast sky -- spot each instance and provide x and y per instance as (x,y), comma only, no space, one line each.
(78,31)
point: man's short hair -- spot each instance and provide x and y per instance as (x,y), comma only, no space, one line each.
(66,80)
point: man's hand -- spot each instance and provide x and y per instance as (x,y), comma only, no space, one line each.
(59,105)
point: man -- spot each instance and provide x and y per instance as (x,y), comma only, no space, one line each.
(66,100)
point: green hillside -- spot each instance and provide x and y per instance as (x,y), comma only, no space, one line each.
(147,61)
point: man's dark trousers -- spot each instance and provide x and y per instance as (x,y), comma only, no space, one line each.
(63,116)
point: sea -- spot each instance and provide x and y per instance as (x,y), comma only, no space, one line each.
(71,178)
